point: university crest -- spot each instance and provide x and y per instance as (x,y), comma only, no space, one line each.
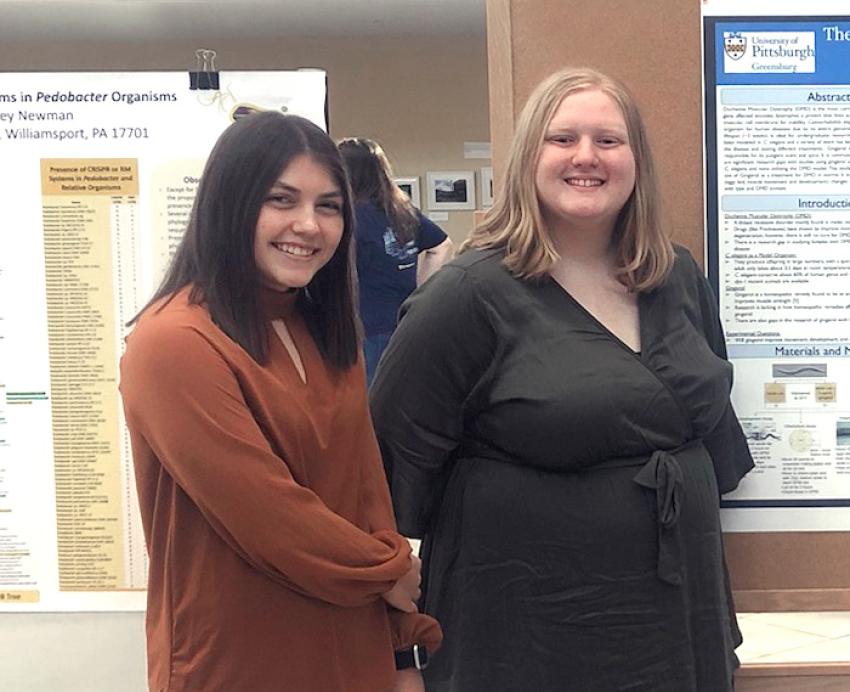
(734,44)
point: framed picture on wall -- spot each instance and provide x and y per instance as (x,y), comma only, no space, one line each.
(410,187)
(487,186)
(449,190)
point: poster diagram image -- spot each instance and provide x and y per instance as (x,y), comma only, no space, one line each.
(826,393)
(796,385)
(799,370)
(774,393)
(842,434)
(762,435)
(801,440)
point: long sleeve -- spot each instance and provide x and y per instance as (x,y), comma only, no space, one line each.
(424,386)
(183,400)
(406,628)
(727,444)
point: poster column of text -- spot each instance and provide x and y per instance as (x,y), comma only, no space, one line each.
(17,580)
(783,254)
(88,213)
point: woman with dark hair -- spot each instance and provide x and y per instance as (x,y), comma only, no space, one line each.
(274,560)
(563,446)
(397,247)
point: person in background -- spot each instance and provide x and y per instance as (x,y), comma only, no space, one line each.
(554,416)
(397,247)
(274,559)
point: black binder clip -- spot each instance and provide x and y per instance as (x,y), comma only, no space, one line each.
(205,78)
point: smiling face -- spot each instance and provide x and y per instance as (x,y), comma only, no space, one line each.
(299,226)
(586,169)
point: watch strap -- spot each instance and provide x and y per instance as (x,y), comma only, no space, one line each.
(415,656)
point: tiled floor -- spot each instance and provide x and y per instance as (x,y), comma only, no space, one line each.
(795,637)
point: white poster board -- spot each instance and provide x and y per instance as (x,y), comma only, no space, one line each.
(97,176)
(777,91)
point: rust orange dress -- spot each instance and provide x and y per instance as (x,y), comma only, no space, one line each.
(266,513)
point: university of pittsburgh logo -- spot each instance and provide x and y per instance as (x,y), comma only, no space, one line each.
(734,44)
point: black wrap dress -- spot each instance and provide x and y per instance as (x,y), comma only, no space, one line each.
(566,487)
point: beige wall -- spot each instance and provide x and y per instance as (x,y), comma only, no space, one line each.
(653,46)
(421,98)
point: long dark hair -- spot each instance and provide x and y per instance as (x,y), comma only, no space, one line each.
(371,179)
(216,255)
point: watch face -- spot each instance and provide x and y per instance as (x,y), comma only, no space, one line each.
(420,657)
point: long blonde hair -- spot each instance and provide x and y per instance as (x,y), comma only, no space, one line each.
(515,222)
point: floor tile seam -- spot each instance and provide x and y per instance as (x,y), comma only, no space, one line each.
(817,634)
(795,648)
(765,616)
(783,628)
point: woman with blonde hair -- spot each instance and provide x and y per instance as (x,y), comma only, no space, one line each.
(397,247)
(562,447)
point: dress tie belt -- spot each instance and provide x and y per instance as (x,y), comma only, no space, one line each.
(663,474)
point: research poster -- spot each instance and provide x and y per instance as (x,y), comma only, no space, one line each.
(97,177)
(777,93)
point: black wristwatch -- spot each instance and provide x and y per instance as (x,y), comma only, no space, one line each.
(414,657)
